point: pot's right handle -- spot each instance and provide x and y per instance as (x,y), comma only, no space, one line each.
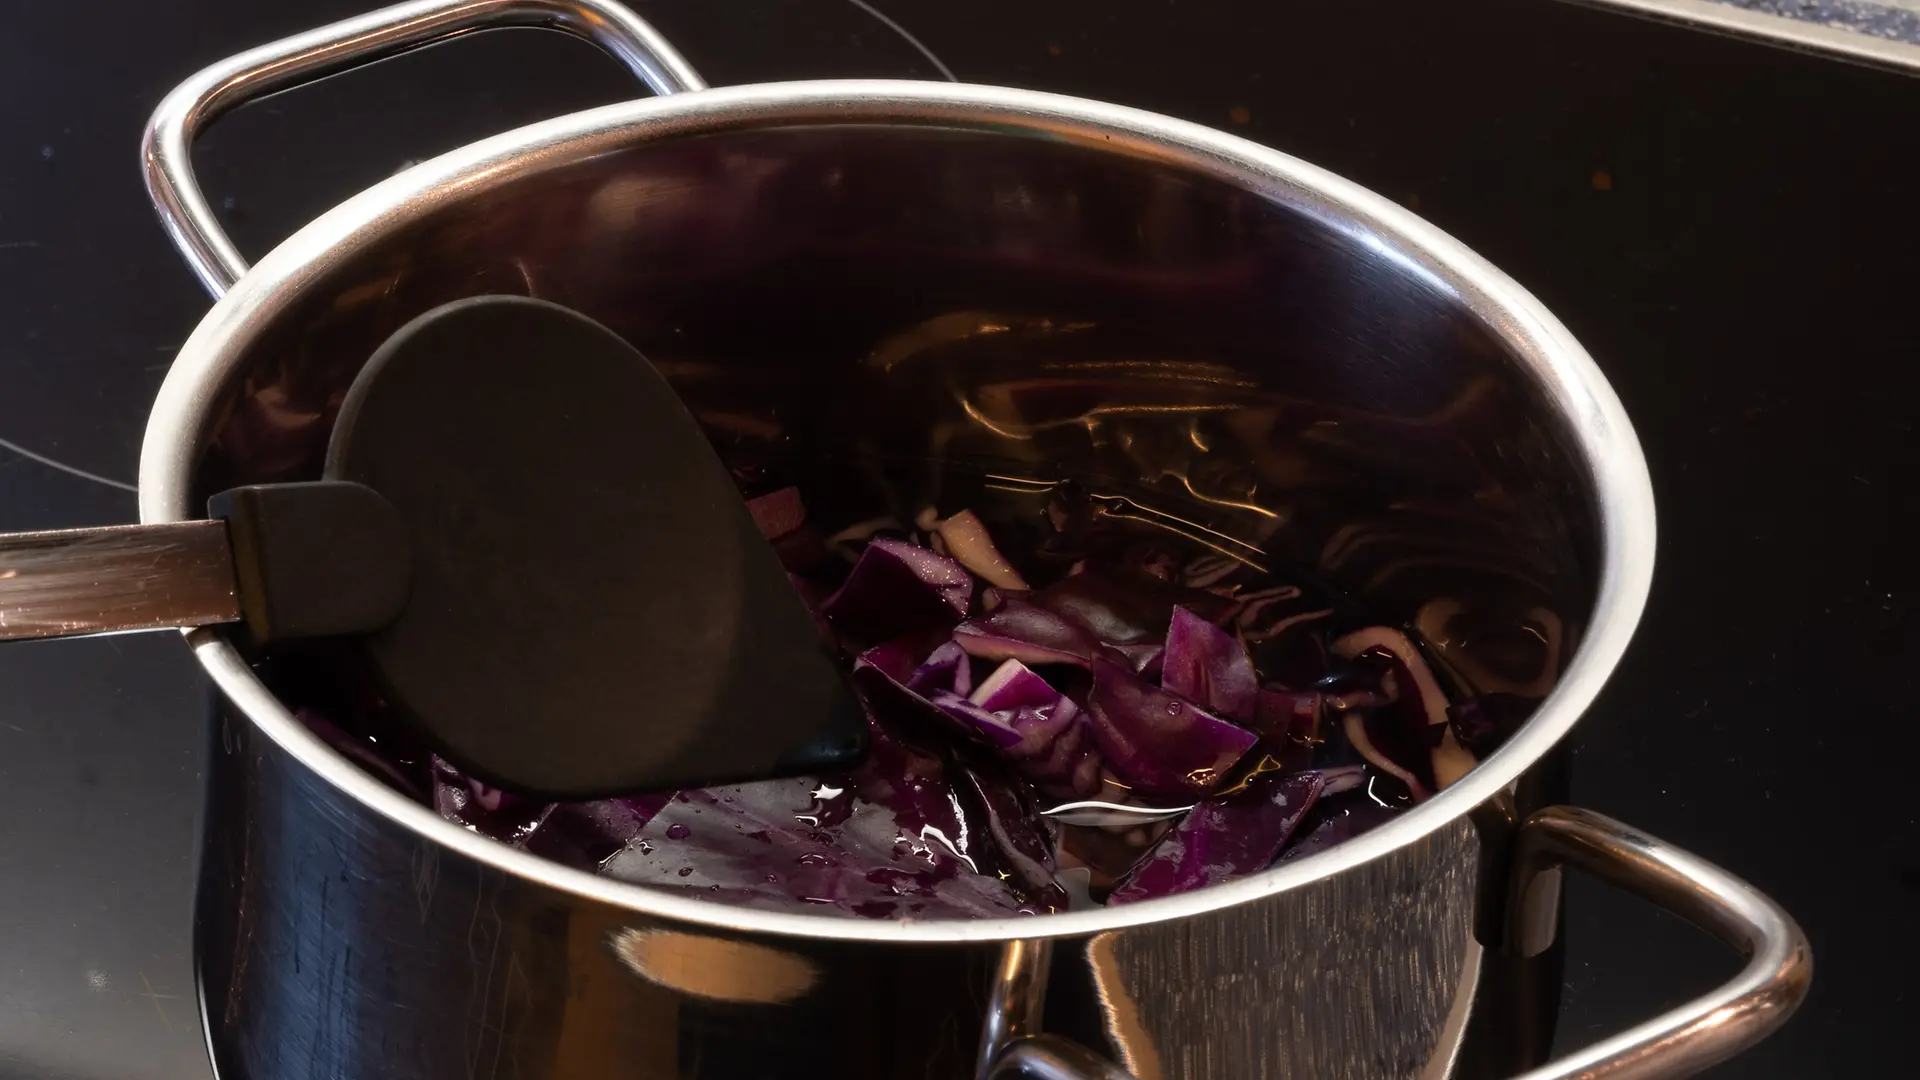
(350,43)
(1704,1031)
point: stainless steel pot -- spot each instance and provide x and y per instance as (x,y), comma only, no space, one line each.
(887,268)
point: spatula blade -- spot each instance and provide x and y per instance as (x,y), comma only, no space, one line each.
(592,609)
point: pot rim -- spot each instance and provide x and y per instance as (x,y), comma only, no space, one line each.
(1563,370)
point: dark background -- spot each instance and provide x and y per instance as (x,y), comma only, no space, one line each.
(1728,227)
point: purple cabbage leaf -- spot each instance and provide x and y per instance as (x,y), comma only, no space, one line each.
(1126,607)
(1157,743)
(1018,629)
(889,839)
(896,589)
(1223,838)
(1208,666)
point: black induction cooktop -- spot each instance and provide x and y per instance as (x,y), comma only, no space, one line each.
(1728,226)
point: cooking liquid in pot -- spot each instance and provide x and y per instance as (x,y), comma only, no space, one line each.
(1024,644)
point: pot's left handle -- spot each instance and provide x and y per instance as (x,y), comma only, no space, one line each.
(316,54)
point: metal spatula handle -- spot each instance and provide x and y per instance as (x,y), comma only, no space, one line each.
(289,560)
(69,582)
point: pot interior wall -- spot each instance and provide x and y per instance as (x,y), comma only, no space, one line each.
(885,303)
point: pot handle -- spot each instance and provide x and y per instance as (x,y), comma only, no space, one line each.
(1011,1043)
(1050,1057)
(1704,1031)
(166,148)
(1679,1043)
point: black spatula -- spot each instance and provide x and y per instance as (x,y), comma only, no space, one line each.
(551,572)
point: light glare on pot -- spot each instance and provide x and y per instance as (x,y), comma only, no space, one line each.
(715,968)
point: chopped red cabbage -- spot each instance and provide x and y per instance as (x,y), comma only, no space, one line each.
(1483,723)
(1018,629)
(747,845)
(996,729)
(588,833)
(1069,766)
(1352,816)
(1283,716)
(801,550)
(782,519)
(1013,685)
(486,810)
(1136,673)
(1147,658)
(1039,731)
(778,512)
(1204,664)
(1360,737)
(1341,779)
(1157,743)
(887,839)
(1409,737)
(1425,701)
(908,661)
(1124,607)
(897,589)
(898,659)
(1022,839)
(899,682)
(1223,838)
(1362,686)
(945,668)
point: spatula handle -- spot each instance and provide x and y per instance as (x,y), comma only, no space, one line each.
(71,582)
